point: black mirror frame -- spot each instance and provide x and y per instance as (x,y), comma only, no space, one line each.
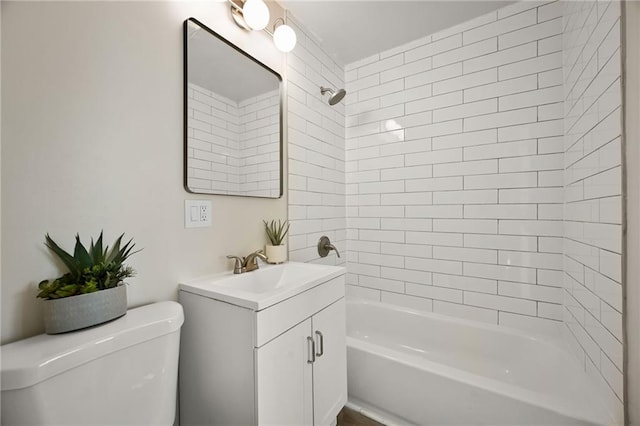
(185,110)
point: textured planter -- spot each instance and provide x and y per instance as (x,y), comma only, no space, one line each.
(85,310)
(276,254)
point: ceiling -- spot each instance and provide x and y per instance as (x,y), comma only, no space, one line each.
(353,30)
(217,66)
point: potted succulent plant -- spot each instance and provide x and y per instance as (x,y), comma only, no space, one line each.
(276,252)
(92,292)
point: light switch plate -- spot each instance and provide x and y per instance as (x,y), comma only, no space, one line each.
(197,213)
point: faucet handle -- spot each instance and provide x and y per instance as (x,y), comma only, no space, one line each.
(324,246)
(237,267)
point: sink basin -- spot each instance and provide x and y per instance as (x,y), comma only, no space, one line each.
(264,287)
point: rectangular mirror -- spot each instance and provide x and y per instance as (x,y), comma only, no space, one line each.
(233,118)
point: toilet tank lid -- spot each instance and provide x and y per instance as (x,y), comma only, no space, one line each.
(33,360)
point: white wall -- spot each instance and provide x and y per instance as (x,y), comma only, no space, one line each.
(593,188)
(316,153)
(92,109)
(632,136)
(454,170)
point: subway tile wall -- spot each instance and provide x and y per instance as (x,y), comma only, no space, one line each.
(213,149)
(259,139)
(593,187)
(482,176)
(233,147)
(454,171)
(316,153)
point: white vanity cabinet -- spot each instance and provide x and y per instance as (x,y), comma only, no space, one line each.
(282,364)
(301,374)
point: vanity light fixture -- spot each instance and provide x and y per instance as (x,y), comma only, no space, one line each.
(253,15)
(250,14)
(283,36)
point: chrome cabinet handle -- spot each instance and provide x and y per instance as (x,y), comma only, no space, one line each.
(311,350)
(320,351)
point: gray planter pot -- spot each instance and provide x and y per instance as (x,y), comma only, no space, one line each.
(85,310)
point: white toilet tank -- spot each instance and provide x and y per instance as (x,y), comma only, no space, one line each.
(121,373)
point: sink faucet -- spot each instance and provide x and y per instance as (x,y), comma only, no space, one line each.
(250,263)
(247,264)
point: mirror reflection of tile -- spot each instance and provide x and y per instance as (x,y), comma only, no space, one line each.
(233,147)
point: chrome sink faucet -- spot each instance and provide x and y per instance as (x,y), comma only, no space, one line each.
(247,264)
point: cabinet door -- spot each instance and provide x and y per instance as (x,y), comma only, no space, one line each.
(284,379)
(330,368)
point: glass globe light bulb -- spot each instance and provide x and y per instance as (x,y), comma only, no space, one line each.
(256,14)
(284,38)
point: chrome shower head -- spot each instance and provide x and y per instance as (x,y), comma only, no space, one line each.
(336,95)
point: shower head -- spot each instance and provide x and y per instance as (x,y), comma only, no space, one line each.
(336,95)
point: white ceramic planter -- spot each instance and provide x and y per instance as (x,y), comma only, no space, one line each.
(276,254)
(85,310)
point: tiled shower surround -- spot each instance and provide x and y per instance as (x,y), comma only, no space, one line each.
(482,176)
(455,170)
(233,146)
(316,153)
(592,180)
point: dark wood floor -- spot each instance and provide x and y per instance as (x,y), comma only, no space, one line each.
(348,417)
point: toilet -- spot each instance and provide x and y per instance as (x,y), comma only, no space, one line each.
(120,373)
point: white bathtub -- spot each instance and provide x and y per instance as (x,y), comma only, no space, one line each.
(409,367)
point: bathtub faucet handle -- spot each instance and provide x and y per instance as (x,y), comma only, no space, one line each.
(325,246)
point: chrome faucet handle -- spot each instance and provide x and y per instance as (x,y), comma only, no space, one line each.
(237,266)
(324,246)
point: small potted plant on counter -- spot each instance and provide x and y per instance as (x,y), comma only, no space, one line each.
(276,252)
(92,292)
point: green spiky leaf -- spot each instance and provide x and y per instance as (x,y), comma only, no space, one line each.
(276,232)
(81,254)
(70,262)
(96,250)
(110,256)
